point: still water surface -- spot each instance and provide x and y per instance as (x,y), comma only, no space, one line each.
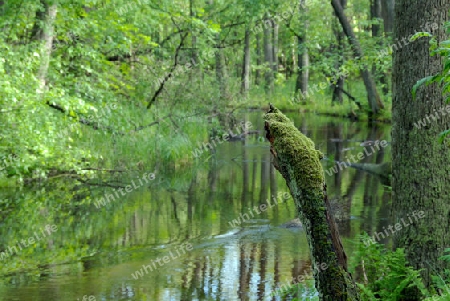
(182,224)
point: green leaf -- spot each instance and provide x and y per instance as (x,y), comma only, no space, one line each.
(418,35)
(426,80)
(442,137)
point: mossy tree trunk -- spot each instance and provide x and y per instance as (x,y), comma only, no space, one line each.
(420,164)
(299,163)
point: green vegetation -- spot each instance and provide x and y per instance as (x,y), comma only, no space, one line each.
(96,93)
(123,76)
(382,275)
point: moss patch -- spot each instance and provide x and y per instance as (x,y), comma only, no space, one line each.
(289,141)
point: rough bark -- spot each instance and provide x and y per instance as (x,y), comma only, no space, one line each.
(373,98)
(299,163)
(420,163)
(245,77)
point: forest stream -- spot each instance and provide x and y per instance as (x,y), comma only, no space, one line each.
(197,233)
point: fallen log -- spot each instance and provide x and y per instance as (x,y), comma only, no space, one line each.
(382,170)
(297,160)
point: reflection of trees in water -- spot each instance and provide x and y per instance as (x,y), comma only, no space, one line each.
(209,199)
(258,272)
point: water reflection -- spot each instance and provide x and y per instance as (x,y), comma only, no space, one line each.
(245,262)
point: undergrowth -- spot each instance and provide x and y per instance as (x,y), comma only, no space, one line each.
(383,274)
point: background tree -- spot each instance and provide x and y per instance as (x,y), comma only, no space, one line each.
(372,93)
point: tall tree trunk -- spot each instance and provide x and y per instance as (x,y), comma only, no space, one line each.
(340,37)
(43,31)
(275,47)
(194,55)
(258,59)
(302,54)
(303,66)
(387,12)
(221,72)
(268,56)
(376,14)
(372,94)
(420,163)
(297,160)
(245,77)
(2,9)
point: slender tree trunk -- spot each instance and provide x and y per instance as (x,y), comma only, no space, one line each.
(2,12)
(221,72)
(297,160)
(303,66)
(420,163)
(268,56)
(387,12)
(376,13)
(258,59)
(372,94)
(43,31)
(245,77)
(194,55)
(302,54)
(40,17)
(275,47)
(340,36)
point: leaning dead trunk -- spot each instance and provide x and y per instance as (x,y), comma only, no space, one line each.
(372,95)
(299,163)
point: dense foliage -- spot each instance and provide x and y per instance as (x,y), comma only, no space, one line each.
(127,73)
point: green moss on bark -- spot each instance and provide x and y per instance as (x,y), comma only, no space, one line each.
(298,161)
(289,141)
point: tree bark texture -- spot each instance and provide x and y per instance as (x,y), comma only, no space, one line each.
(421,169)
